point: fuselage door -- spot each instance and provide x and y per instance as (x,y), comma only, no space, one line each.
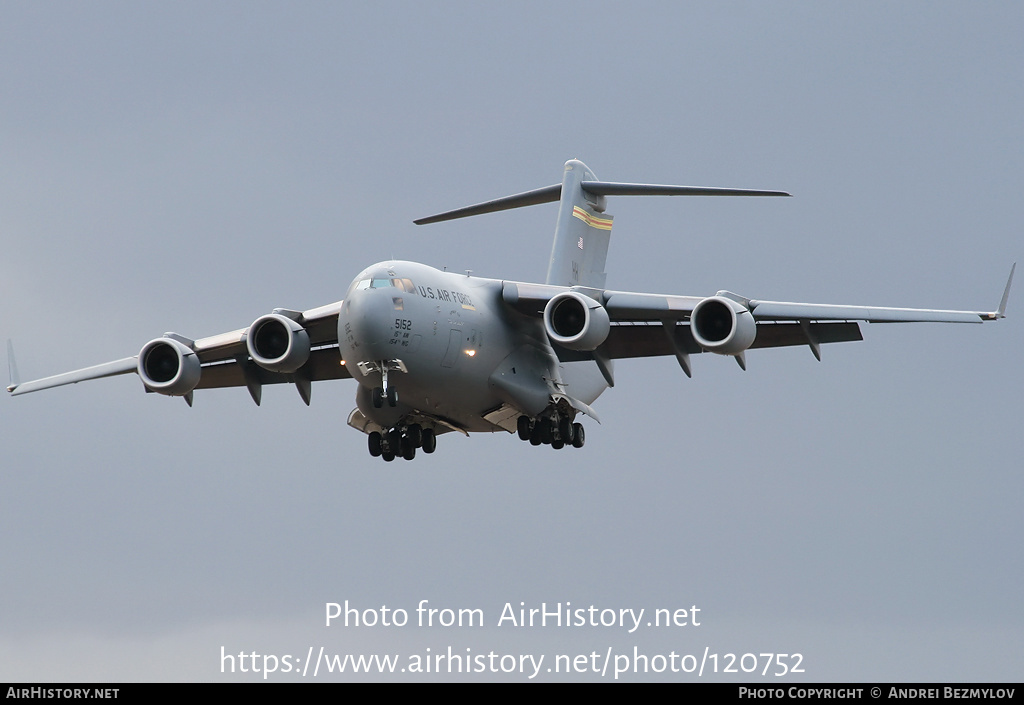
(451,356)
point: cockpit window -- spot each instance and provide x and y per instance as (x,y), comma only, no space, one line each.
(374,284)
(405,285)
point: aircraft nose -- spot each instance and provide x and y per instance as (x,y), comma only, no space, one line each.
(368,318)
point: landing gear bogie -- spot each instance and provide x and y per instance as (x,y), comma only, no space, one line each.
(401,442)
(557,431)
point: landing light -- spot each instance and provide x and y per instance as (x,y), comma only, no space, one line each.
(471,353)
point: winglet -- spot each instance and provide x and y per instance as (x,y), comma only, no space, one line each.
(12,367)
(1001,313)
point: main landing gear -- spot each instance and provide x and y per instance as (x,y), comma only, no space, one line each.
(557,431)
(402,441)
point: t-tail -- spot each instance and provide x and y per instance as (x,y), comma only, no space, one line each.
(583,229)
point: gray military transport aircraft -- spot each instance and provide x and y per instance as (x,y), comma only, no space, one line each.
(435,351)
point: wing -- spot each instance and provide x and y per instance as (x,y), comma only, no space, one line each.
(299,347)
(643,325)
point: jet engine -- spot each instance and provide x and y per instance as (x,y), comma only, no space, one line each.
(169,367)
(277,343)
(722,325)
(576,321)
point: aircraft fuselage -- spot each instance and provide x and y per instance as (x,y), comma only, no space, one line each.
(454,351)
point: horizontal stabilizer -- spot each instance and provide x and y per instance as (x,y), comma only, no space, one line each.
(548,194)
(607,188)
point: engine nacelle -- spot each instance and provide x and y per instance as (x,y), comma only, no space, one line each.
(277,343)
(576,321)
(722,325)
(169,367)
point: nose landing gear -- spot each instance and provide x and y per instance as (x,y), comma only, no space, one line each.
(385,392)
(381,395)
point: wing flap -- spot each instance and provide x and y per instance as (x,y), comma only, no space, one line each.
(626,341)
(323,364)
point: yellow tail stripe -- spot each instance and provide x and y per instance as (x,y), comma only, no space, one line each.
(592,220)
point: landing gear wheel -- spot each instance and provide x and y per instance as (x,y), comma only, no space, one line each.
(558,444)
(578,436)
(535,435)
(392,395)
(524,427)
(378,397)
(429,440)
(375,442)
(415,434)
(395,441)
(546,435)
(408,449)
(387,455)
(565,429)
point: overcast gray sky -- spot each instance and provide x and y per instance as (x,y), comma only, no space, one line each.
(190,166)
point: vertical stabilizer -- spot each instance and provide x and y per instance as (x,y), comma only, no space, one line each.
(582,232)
